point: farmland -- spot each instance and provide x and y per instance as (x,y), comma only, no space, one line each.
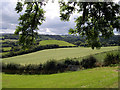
(57,42)
(100,77)
(105,77)
(57,54)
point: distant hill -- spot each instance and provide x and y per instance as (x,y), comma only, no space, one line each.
(76,40)
(57,42)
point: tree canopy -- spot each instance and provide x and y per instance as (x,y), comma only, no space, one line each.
(98,19)
(29,21)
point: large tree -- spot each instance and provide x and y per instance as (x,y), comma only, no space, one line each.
(32,17)
(97,19)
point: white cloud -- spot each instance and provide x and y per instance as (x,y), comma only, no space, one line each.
(46,31)
(52,9)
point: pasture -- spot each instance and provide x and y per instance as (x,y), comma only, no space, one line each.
(102,77)
(57,42)
(57,54)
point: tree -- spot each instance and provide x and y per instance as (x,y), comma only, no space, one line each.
(29,21)
(98,19)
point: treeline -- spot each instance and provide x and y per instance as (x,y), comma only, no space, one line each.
(54,66)
(77,40)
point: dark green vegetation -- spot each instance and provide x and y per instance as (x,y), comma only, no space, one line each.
(105,77)
(29,21)
(112,58)
(96,19)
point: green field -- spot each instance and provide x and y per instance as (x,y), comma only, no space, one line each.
(105,77)
(57,42)
(6,48)
(57,54)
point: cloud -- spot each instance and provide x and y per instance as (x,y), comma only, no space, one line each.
(52,25)
(9,17)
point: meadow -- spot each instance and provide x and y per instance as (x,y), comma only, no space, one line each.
(102,77)
(57,42)
(57,54)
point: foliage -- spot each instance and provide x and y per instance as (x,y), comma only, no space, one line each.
(50,67)
(111,59)
(88,62)
(97,19)
(29,21)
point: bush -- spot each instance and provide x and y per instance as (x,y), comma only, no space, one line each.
(69,61)
(61,67)
(50,67)
(111,59)
(88,62)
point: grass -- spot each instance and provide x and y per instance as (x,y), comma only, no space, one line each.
(105,77)
(57,54)
(57,42)
(6,48)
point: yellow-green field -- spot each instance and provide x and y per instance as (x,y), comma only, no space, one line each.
(57,42)
(57,54)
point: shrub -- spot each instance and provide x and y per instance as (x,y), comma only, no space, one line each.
(111,59)
(10,68)
(61,67)
(69,61)
(88,62)
(50,67)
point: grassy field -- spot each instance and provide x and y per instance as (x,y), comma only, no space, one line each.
(57,54)
(57,42)
(6,48)
(105,77)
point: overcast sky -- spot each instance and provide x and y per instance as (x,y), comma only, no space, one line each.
(52,25)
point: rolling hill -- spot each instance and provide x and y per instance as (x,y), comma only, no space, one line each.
(57,42)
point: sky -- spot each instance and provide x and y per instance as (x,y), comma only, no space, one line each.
(52,24)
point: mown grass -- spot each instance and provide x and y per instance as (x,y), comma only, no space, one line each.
(57,54)
(57,42)
(104,77)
